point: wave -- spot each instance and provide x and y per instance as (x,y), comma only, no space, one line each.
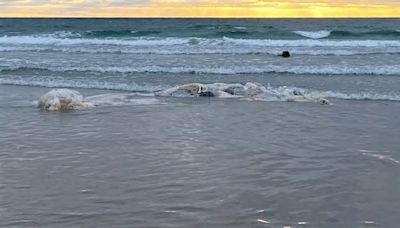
(316,69)
(315,43)
(102,33)
(64,34)
(314,35)
(193,41)
(350,34)
(340,34)
(92,84)
(206,31)
(50,40)
(238,32)
(200,51)
(119,33)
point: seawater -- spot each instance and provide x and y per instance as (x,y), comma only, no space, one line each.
(154,54)
(143,156)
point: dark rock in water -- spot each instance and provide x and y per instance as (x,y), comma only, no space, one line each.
(285,54)
(206,94)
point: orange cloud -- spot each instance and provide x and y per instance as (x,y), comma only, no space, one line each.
(199,8)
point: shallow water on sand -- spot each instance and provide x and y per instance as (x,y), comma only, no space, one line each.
(194,162)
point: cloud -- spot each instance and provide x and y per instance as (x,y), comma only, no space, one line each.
(201,8)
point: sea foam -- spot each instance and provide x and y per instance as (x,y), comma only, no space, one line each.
(50,40)
(342,69)
(168,41)
(314,34)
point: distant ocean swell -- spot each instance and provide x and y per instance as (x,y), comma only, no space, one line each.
(193,45)
(231,31)
(183,50)
(148,90)
(304,69)
(247,32)
(143,41)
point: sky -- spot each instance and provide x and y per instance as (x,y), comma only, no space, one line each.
(199,8)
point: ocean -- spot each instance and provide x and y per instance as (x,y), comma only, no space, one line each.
(263,150)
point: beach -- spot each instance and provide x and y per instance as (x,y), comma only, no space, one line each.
(262,151)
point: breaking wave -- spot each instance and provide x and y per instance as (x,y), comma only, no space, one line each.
(315,43)
(309,69)
(314,35)
(51,40)
(205,31)
(83,84)
(167,41)
(341,34)
(196,46)
(366,34)
(202,50)
(119,33)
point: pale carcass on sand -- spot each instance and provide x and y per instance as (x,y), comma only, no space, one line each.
(215,89)
(61,99)
(192,88)
(289,94)
(249,91)
(67,99)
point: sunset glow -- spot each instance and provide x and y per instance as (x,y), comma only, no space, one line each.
(199,8)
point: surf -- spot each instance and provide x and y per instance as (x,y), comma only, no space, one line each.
(314,34)
(209,70)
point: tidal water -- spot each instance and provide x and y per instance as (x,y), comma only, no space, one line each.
(197,162)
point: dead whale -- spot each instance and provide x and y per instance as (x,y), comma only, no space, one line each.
(61,99)
(192,89)
(215,89)
(67,99)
